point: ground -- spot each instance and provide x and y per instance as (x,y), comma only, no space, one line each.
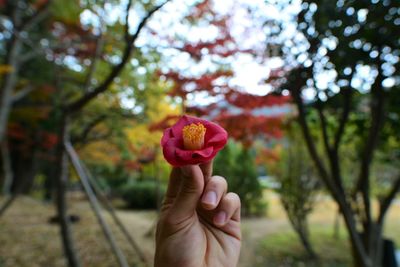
(28,239)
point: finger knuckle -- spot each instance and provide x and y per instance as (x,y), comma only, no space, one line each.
(218,182)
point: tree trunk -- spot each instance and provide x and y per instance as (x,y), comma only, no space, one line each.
(49,186)
(7,168)
(373,242)
(305,240)
(24,168)
(301,228)
(62,182)
(336,225)
(9,81)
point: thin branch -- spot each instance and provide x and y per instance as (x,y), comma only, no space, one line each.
(99,137)
(296,93)
(81,102)
(347,95)
(28,42)
(36,17)
(22,93)
(324,127)
(96,56)
(387,201)
(377,110)
(27,56)
(127,36)
(89,127)
(332,154)
(144,21)
(93,65)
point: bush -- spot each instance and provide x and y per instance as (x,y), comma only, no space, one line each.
(237,165)
(143,194)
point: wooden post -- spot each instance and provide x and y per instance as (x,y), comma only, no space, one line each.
(117,221)
(95,204)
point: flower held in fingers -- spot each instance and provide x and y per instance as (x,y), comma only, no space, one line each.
(192,141)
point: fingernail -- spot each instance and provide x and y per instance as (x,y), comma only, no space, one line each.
(220,218)
(210,198)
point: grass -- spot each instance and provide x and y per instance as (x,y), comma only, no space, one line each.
(283,248)
(28,240)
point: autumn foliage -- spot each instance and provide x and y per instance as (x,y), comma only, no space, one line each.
(243,115)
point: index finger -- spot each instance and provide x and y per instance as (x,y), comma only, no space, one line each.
(207,169)
(174,183)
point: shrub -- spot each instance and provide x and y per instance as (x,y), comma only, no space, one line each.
(143,194)
(237,165)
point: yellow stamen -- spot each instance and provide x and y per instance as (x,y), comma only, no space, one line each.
(193,136)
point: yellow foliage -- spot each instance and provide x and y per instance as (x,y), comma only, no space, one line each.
(6,69)
(100,152)
(139,135)
(158,108)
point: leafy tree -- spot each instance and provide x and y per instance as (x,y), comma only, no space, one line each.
(211,73)
(344,63)
(86,59)
(237,165)
(298,185)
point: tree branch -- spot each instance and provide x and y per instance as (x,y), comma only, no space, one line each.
(81,102)
(127,22)
(377,111)
(338,195)
(93,66)
(39,15)
(89,127)
(333,157)
(296,93)
(324,130)
(387,201)
(347,95)
(22,93)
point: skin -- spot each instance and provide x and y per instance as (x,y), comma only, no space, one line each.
(199,225)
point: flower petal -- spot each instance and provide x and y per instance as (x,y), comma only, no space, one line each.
(190,154)
(182,122)
(169,149)
(166,136)
(218,141)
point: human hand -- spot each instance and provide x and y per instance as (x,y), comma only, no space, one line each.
(199,224)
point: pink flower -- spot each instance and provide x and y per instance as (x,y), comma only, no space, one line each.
(192,141)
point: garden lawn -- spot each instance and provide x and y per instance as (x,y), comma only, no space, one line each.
(28,240)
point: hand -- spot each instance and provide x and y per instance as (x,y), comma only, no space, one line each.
(199,224)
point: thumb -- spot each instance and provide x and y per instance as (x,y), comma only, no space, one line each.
(189,194)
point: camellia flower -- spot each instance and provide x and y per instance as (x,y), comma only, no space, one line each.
(192,141)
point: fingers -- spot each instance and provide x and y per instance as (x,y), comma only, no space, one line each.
(207,169)
(191,188)
(174,183)
(228,208)
(215,189)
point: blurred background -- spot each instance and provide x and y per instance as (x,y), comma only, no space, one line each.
(309,92)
